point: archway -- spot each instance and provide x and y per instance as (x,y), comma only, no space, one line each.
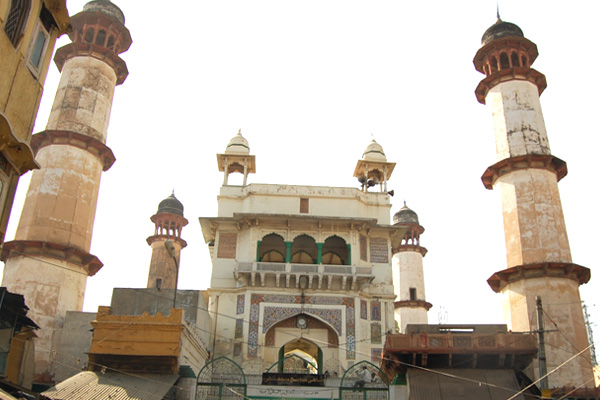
(335,251)
(364,381)
(300,356)
(272,248)
(304,250)
(221,379)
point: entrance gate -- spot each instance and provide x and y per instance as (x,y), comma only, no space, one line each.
(364,381)
(221,379)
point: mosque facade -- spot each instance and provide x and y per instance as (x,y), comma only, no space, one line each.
(307,281)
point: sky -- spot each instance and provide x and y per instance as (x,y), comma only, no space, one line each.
(310,83)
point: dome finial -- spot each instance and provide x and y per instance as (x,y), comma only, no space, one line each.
(498,10)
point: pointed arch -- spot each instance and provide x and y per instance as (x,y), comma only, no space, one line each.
(364,377)
(218,378)
(304,250)
(271,248)
(335,251)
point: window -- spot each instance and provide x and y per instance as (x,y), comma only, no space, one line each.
(38,48)
(413,293)
(89,35)
(304,206)
(39,41)
(15,21)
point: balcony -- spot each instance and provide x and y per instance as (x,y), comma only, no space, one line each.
(287,275)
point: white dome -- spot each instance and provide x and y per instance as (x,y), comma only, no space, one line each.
(374,152)
(238,145)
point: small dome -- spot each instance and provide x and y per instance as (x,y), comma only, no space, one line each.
(170,205)
(105,7)
(499,30)
(406,216)
(238,145)
(374,152)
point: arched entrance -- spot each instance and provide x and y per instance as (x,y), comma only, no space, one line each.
(221,379)
(300,356)
(364,381)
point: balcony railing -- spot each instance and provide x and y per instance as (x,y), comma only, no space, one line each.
(319,276)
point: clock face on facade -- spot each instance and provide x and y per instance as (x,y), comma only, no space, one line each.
(301,322)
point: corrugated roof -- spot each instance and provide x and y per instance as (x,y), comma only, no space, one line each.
(6,396)
(112,385)
(496,384)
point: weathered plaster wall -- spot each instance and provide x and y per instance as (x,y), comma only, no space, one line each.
(76,339)
(162,265)
(518,119)
(60,206)
(534,224)
(562,313)
(285,199)
(60,290)
(84,98)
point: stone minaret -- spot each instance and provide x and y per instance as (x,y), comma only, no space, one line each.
(49,260)
(168,223)
(409,283)
(527,175)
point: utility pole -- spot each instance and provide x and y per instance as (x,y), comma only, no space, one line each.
(588,324)
(542,369)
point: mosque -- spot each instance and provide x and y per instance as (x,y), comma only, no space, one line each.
(310,285)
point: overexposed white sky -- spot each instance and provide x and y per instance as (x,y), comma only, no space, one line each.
(309,82)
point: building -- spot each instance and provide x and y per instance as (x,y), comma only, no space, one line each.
(307,281)
(29,32)
(49,260)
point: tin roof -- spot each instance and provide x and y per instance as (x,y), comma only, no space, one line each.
(112,385)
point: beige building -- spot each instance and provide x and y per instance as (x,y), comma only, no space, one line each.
(301,270)
(28,33)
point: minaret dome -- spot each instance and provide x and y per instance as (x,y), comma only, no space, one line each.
(238,145)
(406,216)
(105,7)
(374,152)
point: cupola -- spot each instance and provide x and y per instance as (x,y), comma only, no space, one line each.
(373,169)
(237,158)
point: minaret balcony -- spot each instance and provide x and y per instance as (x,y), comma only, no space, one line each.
(318,276)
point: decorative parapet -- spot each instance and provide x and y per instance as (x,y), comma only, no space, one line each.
(271,274)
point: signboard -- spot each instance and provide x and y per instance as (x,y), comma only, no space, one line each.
(281,379)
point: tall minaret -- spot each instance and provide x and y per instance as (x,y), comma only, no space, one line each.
(527,174)
(409,282)
(49,261)
(168,223)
